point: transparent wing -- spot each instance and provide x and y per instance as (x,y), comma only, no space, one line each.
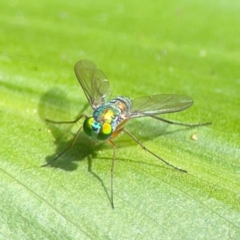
(93,82)
(159,104)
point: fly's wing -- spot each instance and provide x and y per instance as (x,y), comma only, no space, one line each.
(93,82)
(159,104)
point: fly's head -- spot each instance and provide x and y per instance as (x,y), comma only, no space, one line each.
(97,130)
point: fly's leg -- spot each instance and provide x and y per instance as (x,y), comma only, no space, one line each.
(155,155)
(182,124)
(68,147)
(73,141)
(67,122)
(112,169)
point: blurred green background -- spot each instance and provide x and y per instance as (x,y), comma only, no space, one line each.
(144,48)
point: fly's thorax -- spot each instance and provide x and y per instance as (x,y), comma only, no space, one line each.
(106,113)
(106,118)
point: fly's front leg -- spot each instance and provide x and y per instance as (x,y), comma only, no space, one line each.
(112,169)
(114,134)
(68,147)
(73,141)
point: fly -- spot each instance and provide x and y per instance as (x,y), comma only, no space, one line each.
(109,117)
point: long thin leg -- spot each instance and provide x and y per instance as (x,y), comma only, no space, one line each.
(112,169)
(182,124)
(62,122)
(68,147)
(155,155)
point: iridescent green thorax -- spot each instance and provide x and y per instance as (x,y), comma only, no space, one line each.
(106,118)
(113,112)
(105,113)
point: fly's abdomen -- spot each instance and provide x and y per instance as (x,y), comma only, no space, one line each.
(123,104)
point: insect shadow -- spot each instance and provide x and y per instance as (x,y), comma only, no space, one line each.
(52,102)
(73,149)
(55,100)
(83,149)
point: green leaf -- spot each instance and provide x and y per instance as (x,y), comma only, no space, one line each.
(144,48)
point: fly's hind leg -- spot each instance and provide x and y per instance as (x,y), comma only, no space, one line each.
(152,153)
(182,124)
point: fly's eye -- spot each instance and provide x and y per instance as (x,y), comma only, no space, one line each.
(105,132)
(87,126)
